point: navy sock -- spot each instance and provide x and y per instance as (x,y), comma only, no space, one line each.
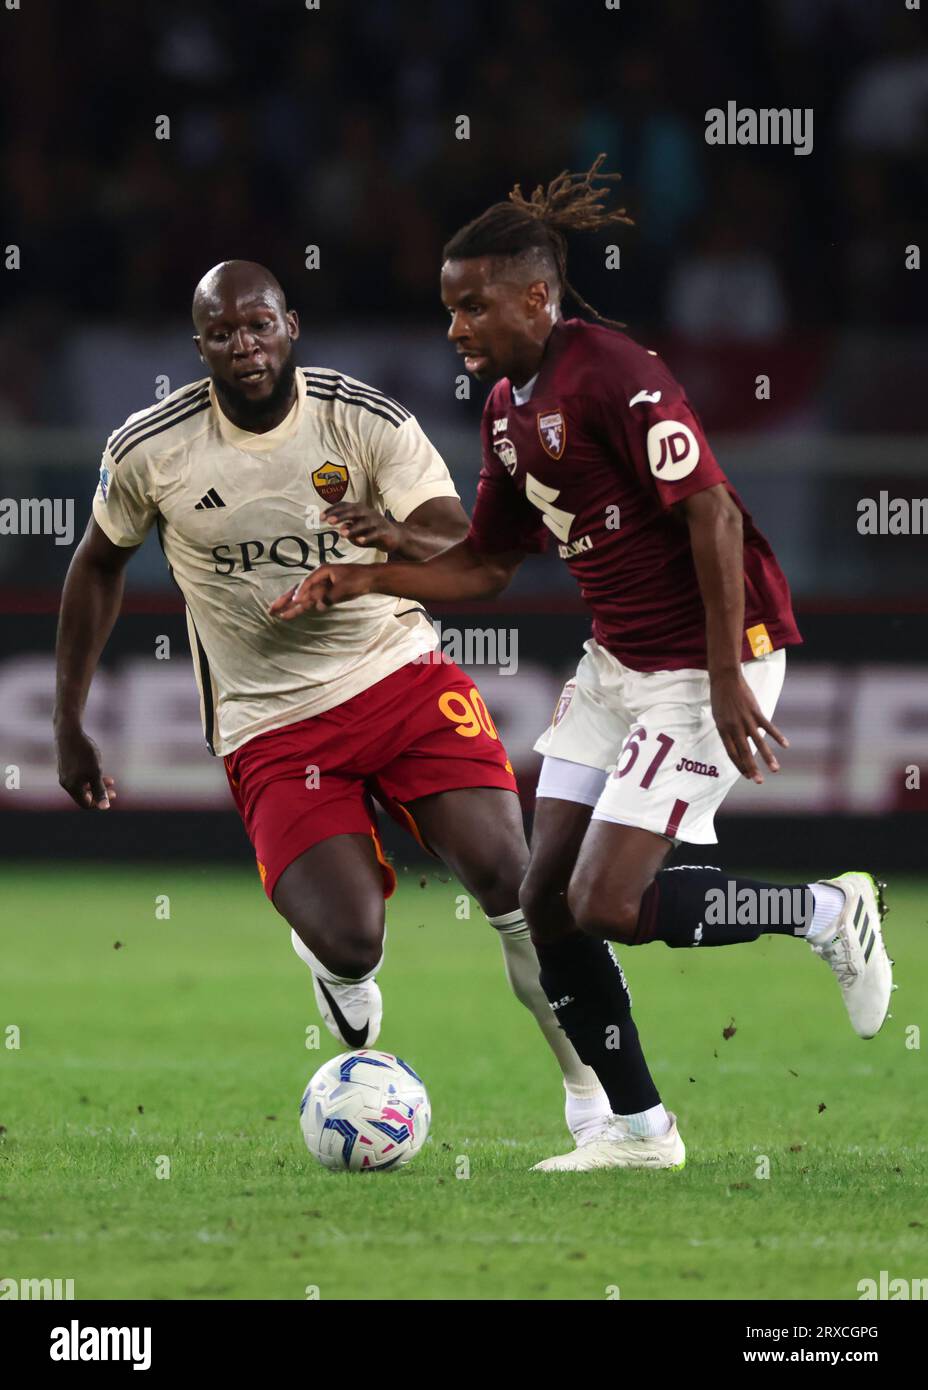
(692,906)
(587,991)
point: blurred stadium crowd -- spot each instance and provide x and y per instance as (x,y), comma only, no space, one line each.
(335,127)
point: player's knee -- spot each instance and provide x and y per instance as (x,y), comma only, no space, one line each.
(354,956)
(350,951)
(607,916)
(495,884)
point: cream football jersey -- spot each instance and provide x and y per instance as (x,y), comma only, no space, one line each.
(239,517)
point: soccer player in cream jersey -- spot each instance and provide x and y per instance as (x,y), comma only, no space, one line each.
(261,471)
(588,437)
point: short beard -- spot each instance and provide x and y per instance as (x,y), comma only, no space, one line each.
(236,404)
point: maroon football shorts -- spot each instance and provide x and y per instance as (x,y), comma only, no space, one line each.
(423,729)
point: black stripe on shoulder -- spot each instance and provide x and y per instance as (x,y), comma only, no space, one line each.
(155,413)
(159,412)
(197,409)
(335,381)
(362,405)
(356,388)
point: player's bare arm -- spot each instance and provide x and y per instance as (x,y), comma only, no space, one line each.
(462,572)
(430,529)
(715,528)
(90,604)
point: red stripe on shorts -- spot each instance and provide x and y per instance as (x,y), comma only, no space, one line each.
(680,809)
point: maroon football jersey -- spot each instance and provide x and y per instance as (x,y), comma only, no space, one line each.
(597,457)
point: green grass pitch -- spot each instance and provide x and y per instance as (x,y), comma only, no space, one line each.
(189,1041)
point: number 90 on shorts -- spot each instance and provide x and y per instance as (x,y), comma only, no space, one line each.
(468,713)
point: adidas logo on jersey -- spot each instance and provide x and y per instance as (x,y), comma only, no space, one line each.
(210,499)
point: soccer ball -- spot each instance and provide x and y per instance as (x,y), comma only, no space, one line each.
(365,1111)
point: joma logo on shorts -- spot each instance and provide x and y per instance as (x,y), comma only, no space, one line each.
(701,769)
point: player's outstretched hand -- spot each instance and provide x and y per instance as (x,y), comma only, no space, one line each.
(79,771)
(364,526)
(738,718)
(321,590)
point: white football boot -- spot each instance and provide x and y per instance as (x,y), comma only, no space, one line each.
(857,955)
(616,1148)
(352,1013)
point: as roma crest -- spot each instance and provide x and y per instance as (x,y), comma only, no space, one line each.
(553,433)
(331,481)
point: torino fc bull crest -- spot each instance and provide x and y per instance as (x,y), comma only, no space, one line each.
(563,704)
(331,481)
(553,433)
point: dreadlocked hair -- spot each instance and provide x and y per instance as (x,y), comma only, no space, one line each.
(533,228)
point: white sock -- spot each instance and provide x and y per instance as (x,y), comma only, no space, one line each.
(523,973)
(828,906)
(586,1115)
(645,1123)
(322,971)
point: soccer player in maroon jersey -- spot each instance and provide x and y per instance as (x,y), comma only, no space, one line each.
(587,437)
(260,469)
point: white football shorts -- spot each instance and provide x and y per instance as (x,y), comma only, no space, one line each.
(641,747)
